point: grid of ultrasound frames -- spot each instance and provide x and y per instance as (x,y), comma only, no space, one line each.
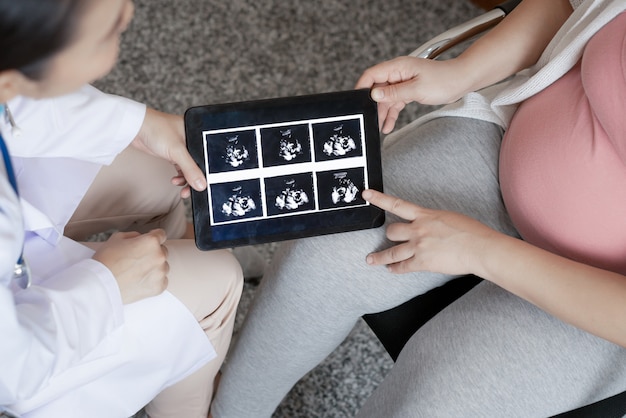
(283,169)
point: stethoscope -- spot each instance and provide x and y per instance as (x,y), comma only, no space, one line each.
(21,271)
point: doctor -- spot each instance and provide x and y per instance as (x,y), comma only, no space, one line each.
(98,330)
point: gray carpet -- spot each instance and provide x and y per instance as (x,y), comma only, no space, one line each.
(177,54)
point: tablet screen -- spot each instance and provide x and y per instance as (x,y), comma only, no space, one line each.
(284,168)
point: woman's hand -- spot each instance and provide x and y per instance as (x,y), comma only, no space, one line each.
(587,297)
(138,263)
(514,44)
(163,135)
(404,80)
(432,240)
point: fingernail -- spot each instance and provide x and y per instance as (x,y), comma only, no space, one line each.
(199,185)
(369,259)
(378,94)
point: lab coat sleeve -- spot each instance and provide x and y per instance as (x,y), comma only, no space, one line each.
(69,318)
(86,125)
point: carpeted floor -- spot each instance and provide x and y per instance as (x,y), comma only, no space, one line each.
(177,54)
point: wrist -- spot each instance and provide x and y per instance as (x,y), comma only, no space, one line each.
(491,255)
(462,77)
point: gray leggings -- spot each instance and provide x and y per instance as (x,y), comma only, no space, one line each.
(488,354)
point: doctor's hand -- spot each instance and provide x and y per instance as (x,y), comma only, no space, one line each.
(163,135)
(138,262)
(432,240)
(403,80)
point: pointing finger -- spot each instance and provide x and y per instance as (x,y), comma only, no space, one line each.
(395,205)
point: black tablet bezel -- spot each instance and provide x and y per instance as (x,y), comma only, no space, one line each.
(292,111)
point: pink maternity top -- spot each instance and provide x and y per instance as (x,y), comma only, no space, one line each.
(563,158)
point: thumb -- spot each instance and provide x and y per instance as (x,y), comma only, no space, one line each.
(190,170)
(393,93)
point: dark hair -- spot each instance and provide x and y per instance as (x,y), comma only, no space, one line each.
(32,31)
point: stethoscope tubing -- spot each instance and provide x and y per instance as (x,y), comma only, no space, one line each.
(21,272)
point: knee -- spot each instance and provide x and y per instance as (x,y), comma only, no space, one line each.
(232,274)
(218,309)
(204,281)
(226,279)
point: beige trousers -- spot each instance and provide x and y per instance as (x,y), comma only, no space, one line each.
(135,193)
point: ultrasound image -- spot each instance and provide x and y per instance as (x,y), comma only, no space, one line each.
(289,148)
(340,139)
(341,188)
(236,154)
(285,145)
(346,191)
(232,151)
(339,144)
(282,186)
(236,200)
(287,194)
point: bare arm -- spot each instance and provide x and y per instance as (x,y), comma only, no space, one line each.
(587,297)
(516,43)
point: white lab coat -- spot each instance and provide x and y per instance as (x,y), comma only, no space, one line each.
(68,347)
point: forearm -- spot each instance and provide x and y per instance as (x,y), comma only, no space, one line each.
(586,297)
(514,44)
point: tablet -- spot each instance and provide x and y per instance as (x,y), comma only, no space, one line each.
(284,168)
